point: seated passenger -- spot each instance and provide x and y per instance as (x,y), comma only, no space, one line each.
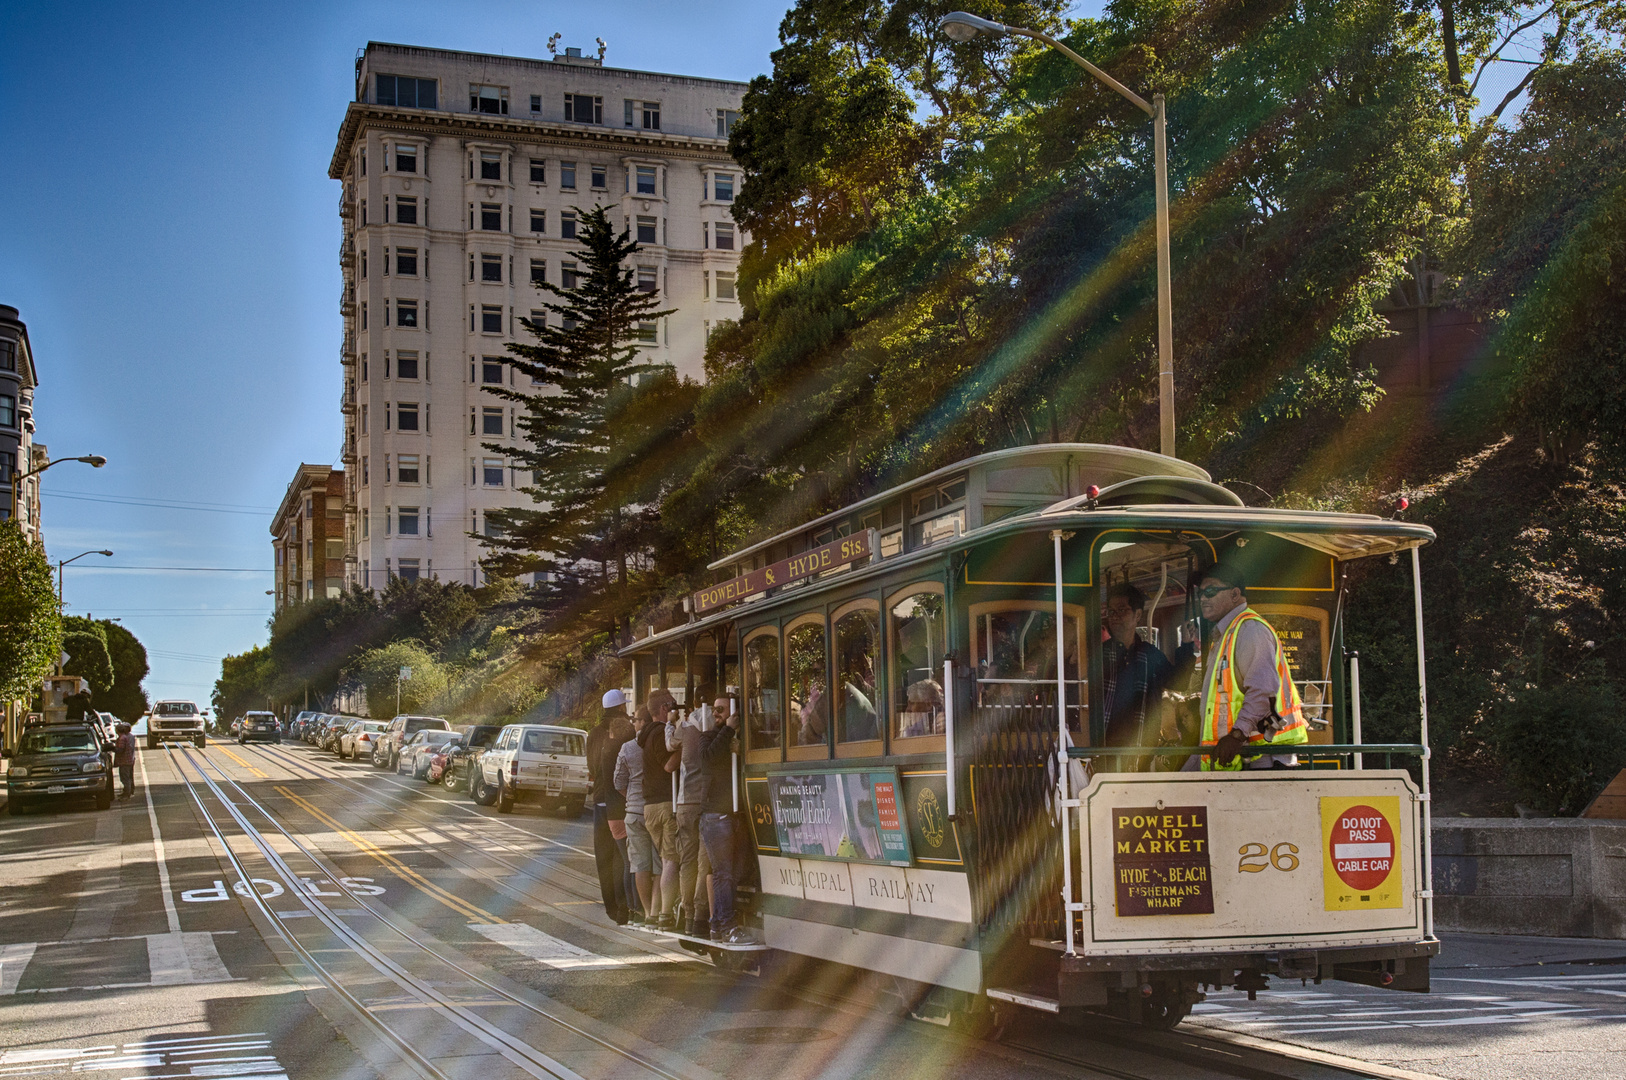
(924,713)
(1135,672)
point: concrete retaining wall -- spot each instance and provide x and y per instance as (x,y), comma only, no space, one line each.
(1559,877)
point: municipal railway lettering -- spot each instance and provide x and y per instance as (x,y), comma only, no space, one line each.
(1160,861)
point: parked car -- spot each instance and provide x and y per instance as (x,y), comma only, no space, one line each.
(416,751)
(387,747)
(357,740)
(335,728)
(319,728)
(296,726)
(459,759)
(59,762)
(107,726)
(261,726)
(536,763)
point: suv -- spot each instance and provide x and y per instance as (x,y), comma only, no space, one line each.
(259,725)
(176,719)
(462,758)
(387,747)
(61,761)
(533,763)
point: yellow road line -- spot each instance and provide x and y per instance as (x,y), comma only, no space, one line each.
(456,903)
(241,762)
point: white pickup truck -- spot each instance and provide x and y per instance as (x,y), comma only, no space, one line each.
(176,721)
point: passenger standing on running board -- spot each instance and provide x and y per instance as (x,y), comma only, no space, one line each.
(659,787)
(629,781)
(600,773)
(693,869)
(719,824)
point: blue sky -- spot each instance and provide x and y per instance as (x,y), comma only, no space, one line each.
(169,233)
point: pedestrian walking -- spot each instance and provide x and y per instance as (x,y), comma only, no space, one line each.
(124,752)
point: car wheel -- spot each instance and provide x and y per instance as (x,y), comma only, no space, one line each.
(505,798)
(480,791)
(104,800)
(152,742)
(202,741)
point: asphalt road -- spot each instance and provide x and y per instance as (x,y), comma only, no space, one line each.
(396,930)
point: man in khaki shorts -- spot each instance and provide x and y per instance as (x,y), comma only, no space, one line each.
(660,785)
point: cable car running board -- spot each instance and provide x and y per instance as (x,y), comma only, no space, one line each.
(1026,1000)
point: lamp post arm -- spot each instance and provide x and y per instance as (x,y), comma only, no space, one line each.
(1133,98)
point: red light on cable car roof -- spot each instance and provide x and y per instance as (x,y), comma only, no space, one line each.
(1092,492)
(1403,503)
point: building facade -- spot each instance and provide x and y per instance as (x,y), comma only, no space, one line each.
(464,177)
(307,536)
(18,451)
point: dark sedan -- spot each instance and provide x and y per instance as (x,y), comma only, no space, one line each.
(261,726)
(458,765)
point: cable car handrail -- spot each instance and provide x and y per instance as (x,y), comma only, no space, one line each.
(1412,749)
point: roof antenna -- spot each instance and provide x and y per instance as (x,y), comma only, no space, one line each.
(602,48)
(553,44)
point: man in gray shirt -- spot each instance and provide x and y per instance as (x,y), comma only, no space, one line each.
(693,867)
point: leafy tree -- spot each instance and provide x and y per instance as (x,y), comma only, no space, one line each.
(378,671)
(88,658)
(432,612)
(30,621)
(243,684)
(126,699)
(586,451)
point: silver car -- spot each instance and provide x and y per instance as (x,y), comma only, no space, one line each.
(414,756)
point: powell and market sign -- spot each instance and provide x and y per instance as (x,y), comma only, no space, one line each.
(815,561)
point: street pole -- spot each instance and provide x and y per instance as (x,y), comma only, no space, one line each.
(61,604)
(960,26)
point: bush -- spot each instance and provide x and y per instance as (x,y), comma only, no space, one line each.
(1561,744)
(378,670)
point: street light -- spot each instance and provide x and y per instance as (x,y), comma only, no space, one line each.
(95,461)
(962,26)
(64,562)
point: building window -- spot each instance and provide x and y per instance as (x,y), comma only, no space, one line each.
(406,261)
(648,333)
(539,221)
(722,187)
(490,217)
(363,268)
(646,180)
(405,92)
(568,278)
(406,521)
(406,210)
(647,279)
(364,419)
(536,103)
(724,234)
(490,165)
(490,319)
(406,469)
(584,109)
(488,99)
(539,171)
(646,230)
(8,355)
(539,271)
(407,569)
(364,211)
(406,159)
(726,119)
(492,469)
(406,363)
(600,177)
(567,175)
(491,268)
(725,285)
(365,479)
(567,224)
(364,314)
(491,371)
(406,313)
(491,421)
(406,417)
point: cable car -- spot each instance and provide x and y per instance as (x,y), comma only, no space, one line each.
(925,763)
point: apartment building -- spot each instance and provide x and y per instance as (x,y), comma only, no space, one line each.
(307,536)
(464,175)
(18,450)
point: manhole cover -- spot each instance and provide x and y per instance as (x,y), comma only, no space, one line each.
(756,1036)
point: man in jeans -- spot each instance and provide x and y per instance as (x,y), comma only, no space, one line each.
(718,832)
(124,752)
(693,870)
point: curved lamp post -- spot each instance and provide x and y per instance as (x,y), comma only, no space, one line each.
(95,461)
(962,26)
(64,562)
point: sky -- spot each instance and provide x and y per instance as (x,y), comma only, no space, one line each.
(170,236)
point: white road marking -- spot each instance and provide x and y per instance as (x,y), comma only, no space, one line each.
(158,851)
(13,960)
(554,952)
(184,959)
(149,1061)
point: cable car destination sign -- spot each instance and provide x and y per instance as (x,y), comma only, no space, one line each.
(838,553)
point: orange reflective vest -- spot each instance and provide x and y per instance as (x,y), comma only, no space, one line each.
(1223,695)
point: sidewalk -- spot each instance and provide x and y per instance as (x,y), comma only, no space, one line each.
(1499,951)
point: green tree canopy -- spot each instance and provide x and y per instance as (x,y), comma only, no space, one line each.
(88,658)
(378,673)
(30,622)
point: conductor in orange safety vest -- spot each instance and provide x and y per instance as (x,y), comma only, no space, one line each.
(1249,699)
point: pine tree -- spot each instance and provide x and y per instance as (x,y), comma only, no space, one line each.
(581,422)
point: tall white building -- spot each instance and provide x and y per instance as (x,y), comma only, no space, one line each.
(463,177)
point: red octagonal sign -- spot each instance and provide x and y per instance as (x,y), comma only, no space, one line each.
(1362,846)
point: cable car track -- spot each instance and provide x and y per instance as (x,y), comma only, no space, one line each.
(521,1053)
(1199,1056)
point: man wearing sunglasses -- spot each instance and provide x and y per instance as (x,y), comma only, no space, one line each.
(1249,698)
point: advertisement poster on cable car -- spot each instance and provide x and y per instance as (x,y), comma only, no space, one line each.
(849,814)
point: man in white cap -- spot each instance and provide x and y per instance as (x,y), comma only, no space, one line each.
(601,774)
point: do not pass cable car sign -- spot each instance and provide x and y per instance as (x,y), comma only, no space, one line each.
(1360,852)
(817,560)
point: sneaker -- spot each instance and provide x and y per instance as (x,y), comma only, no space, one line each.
(665,922)
(699,927)
(737,935)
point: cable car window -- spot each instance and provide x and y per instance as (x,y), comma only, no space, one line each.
(916,625)
(1014,650)
(939,512)
(762,711)
(857,641)
(808,697)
